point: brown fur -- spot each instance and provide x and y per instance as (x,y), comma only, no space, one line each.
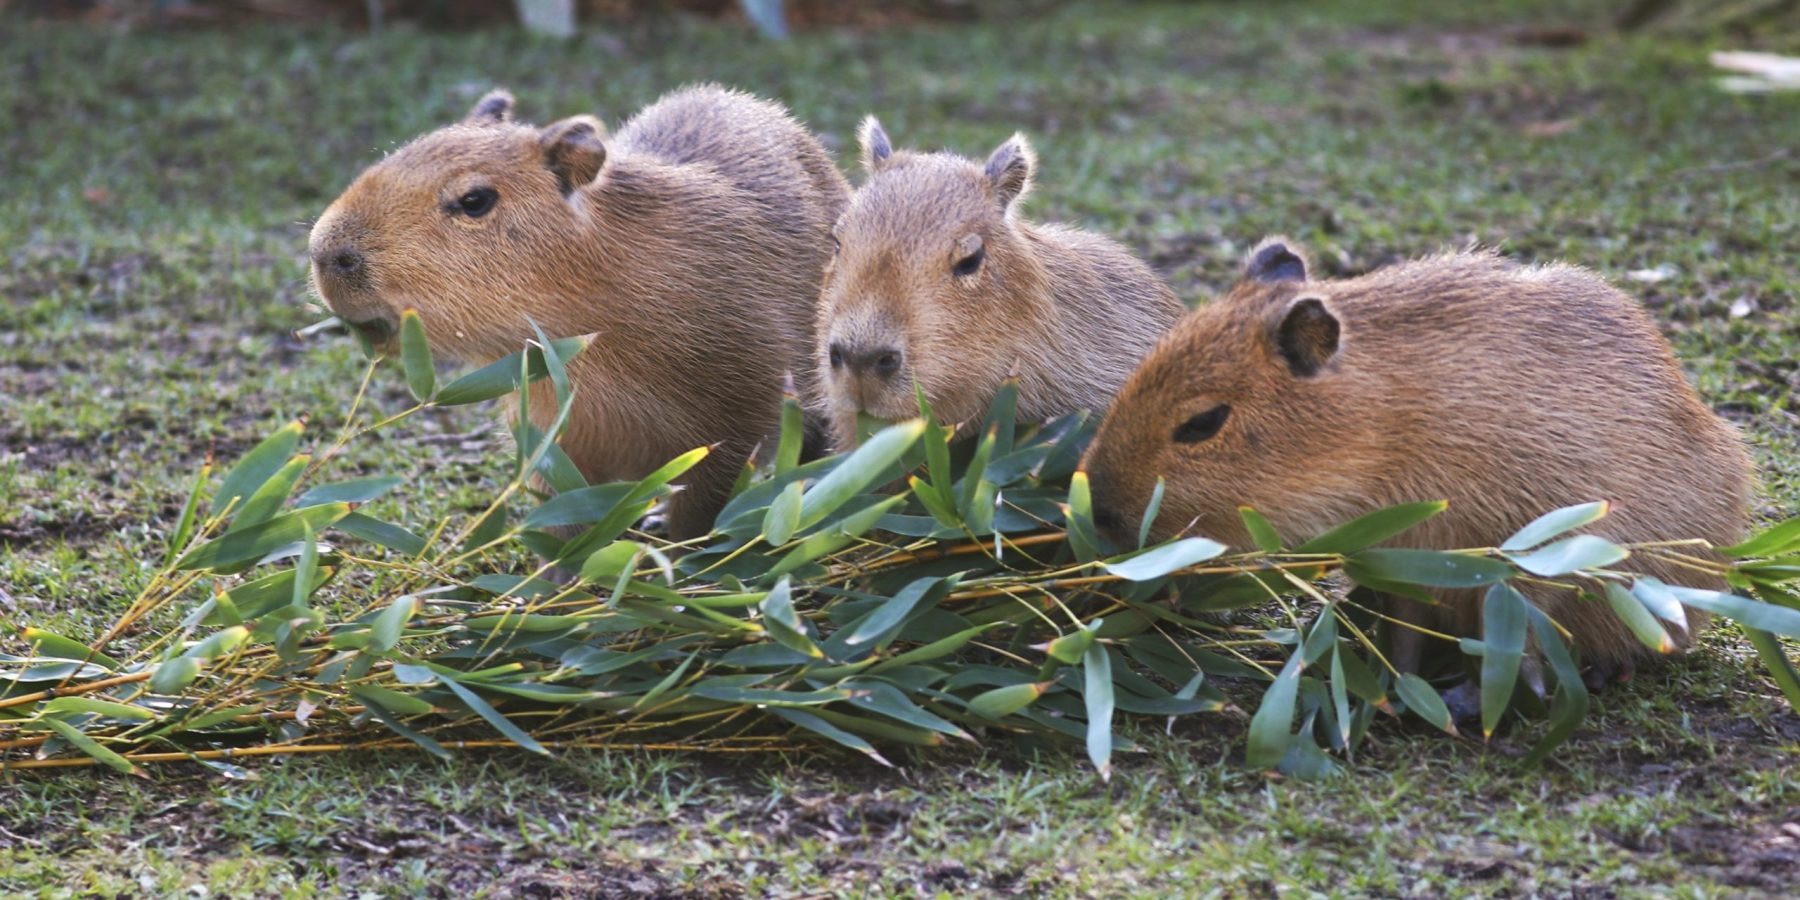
(1068,312)
(1505,389)
(691,243)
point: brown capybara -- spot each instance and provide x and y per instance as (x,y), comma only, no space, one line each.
(1507,390)
(938,280)
(690,243)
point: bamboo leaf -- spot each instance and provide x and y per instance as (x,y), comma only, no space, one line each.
(1638,618)
(1369,530)
(1272,727)
(1001,702)
(384,534)
(1570,704)
(45,643)
(1772,541)
(174,675)
(858,471)
(1553,523)
(501,377)
(234,551)
(1097,696)
(355,490)
(95,706)
(783,622)
(385,631)
(1262,533)
(1167,559)
(92,747)
(1742,610)
(256,467)
(184,526)
(1503,637)
(415,356)
(1083,537)
(1775,657)
(1425,702)
(1569,555)
(268,499)
(1431,568)
(784,515)
(505,726)
(831,732)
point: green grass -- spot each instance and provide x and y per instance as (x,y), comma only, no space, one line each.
(157,190)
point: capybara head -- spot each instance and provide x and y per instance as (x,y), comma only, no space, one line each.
(928,284)
(471,225)
(1242,403)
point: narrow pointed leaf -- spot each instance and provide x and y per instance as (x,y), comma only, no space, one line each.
(505,726)
(1425,702)
(256,467)
(858,471)
(1372,529)
(1638,618)
(91,747)
(1503,634)
(784,515)
(819,726)
(1004,701)
(1167,559)
(415,356)
(1569,555)
(1553,523)
(1431,568)
(1272,728)
(1097,696)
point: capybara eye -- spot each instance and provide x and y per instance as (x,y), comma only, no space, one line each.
(1202,426)
(477,202)
(968,265)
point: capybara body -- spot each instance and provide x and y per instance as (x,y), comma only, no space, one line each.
(937,280)
(1507,390)
(691,244)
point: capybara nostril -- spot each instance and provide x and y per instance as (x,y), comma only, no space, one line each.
(340,262)
(879,362)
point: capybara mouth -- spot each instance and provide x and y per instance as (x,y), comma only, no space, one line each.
(376,331)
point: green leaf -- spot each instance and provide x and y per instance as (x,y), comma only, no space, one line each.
(1340,696)
(1656,597)
(611,561)
(762,697)
(44,643)
(1503,635)
(415,356)
(385,631)
(1002,415)
(506,727)
(232,552)
(1083,538)
(356,490)
(391,719)
(174,675)
(885,699)
(819,726)
(1581,552)
(1164,560)
(1069,648)
(184,526)
(1369,530)
(223,642)
(1151,510)
(881,621)
(937,462)
(1742,610)
(91,747)
(784,515)
(1262,533)
(501,377)
(1272,728)
(793,430)
(1553,523)
(1097,696)
(1431,568)
(1571,701)
(1638,618)
(96,706)
(263,461)
(935,650)
(1004,701)
(632,506)
(1781,669)
(1425,702)
(384,534)
(968,490)
(404,704)
(268,499)
(1772,541)
(858,471)
(783,622)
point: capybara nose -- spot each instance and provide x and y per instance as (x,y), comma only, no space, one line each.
(877,362)
(339,262)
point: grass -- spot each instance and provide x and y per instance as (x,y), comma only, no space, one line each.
(157,190)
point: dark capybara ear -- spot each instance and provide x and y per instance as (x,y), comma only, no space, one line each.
(1009,169)
(1275,260)
(574,149)
(1308,336)
(876,148)
(493,108)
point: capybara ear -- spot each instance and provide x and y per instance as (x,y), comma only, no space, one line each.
(574,149)
(876,148)
(494,108)
(1307,336)
(1009,169)
(1275,260)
